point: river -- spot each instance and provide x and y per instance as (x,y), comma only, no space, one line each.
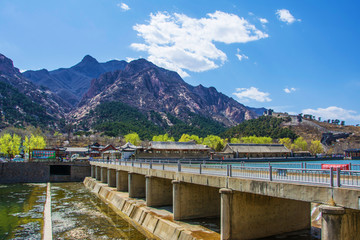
(76,214)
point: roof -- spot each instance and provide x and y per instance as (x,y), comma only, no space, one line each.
(257,148)
(178,146)
(129,146)
(76,149)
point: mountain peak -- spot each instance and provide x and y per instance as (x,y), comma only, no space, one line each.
(7,66)
(89,60)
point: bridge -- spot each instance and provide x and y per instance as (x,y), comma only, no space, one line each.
(252,202)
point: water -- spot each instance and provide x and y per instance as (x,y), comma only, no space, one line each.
(76,213)
(21,211)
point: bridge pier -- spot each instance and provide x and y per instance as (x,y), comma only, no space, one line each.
(103,175)
(250,216)
(339,223)
(122,183)
(92,171)
(194,201)
(137,187)
(158,192)
(98,173)
(111,177)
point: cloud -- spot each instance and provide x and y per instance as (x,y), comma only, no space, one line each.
(252,93)
(289,90)
(181,43)
(334,112)
(263,20)
(123,6)
(285,16)
(241,56)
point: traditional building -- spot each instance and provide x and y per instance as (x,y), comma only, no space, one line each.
(175,150)
(239,150)
(352,153)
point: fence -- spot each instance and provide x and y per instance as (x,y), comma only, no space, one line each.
(296,173)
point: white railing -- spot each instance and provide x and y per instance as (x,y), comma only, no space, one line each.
(330,177)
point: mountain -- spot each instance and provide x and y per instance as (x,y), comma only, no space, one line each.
(147,87)
(24,102)
(71,83)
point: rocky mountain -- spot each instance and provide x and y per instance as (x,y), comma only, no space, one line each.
(147,87)
(20,99)
(71,83)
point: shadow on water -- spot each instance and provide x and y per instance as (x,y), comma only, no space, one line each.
(21,210)
(79,214)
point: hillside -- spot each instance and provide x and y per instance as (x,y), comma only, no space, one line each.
(71,83)
(147,87)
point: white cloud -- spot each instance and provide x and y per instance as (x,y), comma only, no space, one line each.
(123,6)
(181,43)
(130,59)
(241,56)
(285,16)
(289,90)
(334,112)
(252,93)
(263,20)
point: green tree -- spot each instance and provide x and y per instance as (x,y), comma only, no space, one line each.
(215,142)
(235,140)
(163,138)
(10,145)
(299,144)
(132,138)
(316,147)
(186,138)
(5,144)
(34,142)
(286,142)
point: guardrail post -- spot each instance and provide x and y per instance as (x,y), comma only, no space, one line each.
(350,167)
(338,177)
(140,164)
(163,166)
(230,170)
(331,177)
(132,163)
(200,168)
(179,166)
(150,164)
(270,173)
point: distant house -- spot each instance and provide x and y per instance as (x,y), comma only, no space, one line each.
(129,149)
(239,150)
(76,150)
(174,150)
(352,153)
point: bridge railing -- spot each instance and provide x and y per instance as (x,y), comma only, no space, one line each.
(331,177)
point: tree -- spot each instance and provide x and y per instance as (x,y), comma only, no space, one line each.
(163,138)
(186,138)
(34,142)
(286,142)
(132,138)
(10,145)
(235,140)
(215,142)
(316,147)
(299,144)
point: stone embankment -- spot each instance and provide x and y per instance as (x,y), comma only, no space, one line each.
(154,223)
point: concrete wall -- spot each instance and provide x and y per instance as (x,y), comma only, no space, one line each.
(195,201)
(111,177)
(122,181)
(158,192)
(35,172)
(137,185)
(255,216)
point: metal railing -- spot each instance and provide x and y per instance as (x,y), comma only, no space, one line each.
(330,177)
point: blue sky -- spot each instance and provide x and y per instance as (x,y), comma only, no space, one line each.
(299,56)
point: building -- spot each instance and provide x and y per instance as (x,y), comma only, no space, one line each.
(352,153)
(239,150)
(174,150)
(128,150)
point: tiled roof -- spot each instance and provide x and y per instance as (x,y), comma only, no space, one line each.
(257,148)
(178,146)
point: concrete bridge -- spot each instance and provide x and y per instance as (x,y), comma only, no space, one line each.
(251,202)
